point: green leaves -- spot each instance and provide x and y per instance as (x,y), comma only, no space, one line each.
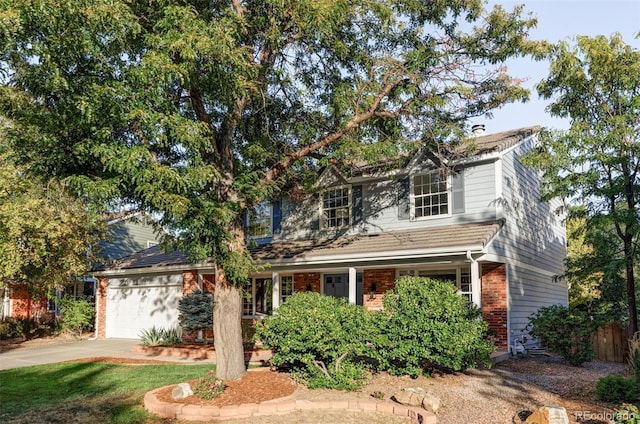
(321,338)
(429,326)
(45,233)
(596,163)
(178,107)
(564,330)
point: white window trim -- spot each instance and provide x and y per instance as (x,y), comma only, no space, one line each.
(293,286)
(323,226)
(269,232)
(412,198)
(252,314)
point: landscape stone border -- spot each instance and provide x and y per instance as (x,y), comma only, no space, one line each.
(276,407)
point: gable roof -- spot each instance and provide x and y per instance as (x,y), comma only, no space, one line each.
(498,142)
(469,150)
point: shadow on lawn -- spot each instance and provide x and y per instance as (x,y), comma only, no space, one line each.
(84,392)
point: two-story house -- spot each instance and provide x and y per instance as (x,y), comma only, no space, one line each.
(475,220)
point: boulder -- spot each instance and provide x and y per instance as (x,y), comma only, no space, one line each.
(417,396)
(411,396)
(181,391)
(548,414)
(431,402)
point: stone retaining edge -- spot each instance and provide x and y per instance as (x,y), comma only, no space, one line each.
(275,407)
(258,356)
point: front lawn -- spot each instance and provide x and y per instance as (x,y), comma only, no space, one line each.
(86,392)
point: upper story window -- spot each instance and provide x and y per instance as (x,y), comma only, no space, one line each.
(430,195)
(336,207)
(259,222)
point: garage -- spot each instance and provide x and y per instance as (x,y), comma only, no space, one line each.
(140,303)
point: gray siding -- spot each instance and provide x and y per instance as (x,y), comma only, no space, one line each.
(128,236)
(532,243)
(530,289)
(533,233)
(380,208)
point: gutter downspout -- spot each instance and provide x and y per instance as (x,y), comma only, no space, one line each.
(476,289)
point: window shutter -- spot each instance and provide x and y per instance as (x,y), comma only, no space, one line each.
(245,216)
(457,192)
(315,215)
(276,211)
(356,199)
(404,204)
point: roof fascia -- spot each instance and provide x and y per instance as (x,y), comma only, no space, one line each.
(381,256)
(157,269)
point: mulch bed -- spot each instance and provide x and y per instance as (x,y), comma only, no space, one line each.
(254,387)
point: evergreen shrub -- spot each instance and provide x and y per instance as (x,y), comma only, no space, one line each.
(426,325)
(320,338)
(564,330)
(196,311)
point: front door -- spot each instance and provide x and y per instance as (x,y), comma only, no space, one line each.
(336,285)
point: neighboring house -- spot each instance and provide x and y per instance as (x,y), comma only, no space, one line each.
(480,225)
(126,233)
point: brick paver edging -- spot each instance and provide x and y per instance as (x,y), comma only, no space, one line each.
(275,407)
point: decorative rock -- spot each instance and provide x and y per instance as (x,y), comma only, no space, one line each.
(548,414)
(181,391)
(411,396)
(431,402)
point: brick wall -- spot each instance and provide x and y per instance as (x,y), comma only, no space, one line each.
(209,283)
(494,301)
(26,305)
(189,282)
(302,281)
(101,308)
(384,280)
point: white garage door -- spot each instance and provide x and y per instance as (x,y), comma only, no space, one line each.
(136,304)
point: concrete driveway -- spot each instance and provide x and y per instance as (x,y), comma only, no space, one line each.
(26,356)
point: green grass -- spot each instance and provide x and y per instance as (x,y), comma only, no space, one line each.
(86,392)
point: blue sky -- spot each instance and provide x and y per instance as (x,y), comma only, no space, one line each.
(560,20)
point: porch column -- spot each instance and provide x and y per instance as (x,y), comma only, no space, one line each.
(352,285)
(275,291)
(476,291)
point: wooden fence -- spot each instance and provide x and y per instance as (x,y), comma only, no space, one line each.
(610,343)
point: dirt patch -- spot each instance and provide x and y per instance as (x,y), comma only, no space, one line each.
(254,387)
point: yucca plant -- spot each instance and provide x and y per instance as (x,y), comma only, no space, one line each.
(152,337)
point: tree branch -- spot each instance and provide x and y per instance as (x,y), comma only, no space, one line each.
(358,119)
(322,367)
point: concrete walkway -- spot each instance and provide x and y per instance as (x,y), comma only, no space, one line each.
(112,348)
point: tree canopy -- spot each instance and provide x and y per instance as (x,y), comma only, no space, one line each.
(46,234)
(596,84)
(200,109)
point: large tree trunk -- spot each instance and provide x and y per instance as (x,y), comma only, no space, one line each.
(631,287)
(227,330)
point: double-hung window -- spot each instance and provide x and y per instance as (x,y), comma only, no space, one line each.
(430,195)
(336,207)
(259,220)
